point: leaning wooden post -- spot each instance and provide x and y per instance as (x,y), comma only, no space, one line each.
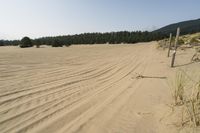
(175,47)
(170,42)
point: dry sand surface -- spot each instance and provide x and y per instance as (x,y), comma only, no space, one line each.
(88,89)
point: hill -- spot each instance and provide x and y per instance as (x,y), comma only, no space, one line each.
(187,27)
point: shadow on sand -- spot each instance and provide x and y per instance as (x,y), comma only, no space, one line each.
(139,76)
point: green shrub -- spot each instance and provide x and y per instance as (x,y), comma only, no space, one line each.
(68,44)
(37,43)
(26,42)
(57,43)
(1,43)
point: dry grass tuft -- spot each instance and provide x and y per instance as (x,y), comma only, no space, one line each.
(196,56)
(163,44)
(177,88)
(191,102)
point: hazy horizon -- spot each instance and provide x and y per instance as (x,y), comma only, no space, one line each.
(35,18)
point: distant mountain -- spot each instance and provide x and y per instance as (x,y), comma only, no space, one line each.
(187,27)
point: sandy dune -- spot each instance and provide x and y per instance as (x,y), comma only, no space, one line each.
(87,89)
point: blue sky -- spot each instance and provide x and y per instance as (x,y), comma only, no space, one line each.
(37,18)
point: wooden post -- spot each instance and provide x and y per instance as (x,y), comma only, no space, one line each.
(175,47)
(170,42)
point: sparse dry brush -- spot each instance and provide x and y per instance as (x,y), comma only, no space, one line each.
(193,105)
(194,41)
(196,56)
(186,93)
(165,43)
(178,88)
(162,44)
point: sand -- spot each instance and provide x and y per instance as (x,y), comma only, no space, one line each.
(88,89)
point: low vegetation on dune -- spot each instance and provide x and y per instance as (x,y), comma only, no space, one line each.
(185,41)
(185,90)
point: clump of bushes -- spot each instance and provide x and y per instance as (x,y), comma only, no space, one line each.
(26,42)
(1,43)
(37,43)
(68,44)
(57,43)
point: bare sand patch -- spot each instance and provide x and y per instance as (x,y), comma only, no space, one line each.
(88,89)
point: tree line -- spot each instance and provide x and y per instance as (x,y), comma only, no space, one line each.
(91,38)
